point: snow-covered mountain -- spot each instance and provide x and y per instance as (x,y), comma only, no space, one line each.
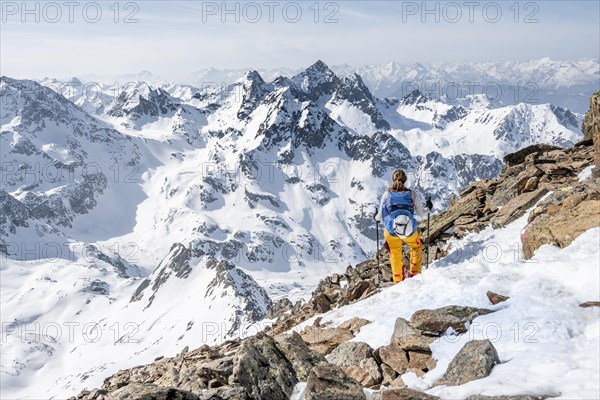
(176,206)
(565,83)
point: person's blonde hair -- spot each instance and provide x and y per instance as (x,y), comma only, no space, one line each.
(398,181)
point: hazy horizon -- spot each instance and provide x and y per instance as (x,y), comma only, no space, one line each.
(174,39)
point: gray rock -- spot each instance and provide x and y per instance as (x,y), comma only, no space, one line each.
(225,393)
(331,383)
(263,370)
(439,320)
(350,353)
(474,361)
(300,355)
(514,397)
(406,394)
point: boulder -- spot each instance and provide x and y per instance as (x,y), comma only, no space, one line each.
(560,226)
(354,324)
(350,353)
(299,354)
(393,356)
(324,340)
(225,393)
(588,304)
(328,383)
(405,394)
(421,361)
(409,338)
(263,370)
(474,361)
(367,372)
(439,320)
(496,298)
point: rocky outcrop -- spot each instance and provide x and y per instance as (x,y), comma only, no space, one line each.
(591,128)
(263,370)
(563,216)
(474,361)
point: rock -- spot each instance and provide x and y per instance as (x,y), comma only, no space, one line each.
(496,298)
(324,340)
(405,394)
(350,353)
(402,328)
(531,184)
(321,303)
(474,361)
(144,391)
(560,226)
(299,354)
(277,381)
(441,222)
(591,129)
(279,308)
(388,374)
(439,320)
(590,304)
(357,290)
(415,343)
(519,156)
(421,361)
(393,356)
(225,393)
(516,207)
(409,338)
(513,397)
(328,383)
(367,372)
(354,324)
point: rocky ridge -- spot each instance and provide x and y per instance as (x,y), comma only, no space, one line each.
(271,363)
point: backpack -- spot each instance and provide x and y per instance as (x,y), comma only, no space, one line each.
(398,214)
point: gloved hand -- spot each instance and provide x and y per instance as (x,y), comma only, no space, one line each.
(429,204)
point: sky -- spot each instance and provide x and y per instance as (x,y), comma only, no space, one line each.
(173,39)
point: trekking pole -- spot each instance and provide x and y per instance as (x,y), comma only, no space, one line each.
(428,243)
(378,268)
(377,235)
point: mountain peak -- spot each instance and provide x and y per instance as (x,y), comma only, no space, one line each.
(253,76)
(414,97)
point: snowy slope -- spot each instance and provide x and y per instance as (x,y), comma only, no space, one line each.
(277,179)
(547,343)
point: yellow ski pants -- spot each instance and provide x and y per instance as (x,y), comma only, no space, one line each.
(416,254)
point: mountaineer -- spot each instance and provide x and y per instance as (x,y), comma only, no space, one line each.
(397,212)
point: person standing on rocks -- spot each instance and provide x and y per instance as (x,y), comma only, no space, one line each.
(397,212)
